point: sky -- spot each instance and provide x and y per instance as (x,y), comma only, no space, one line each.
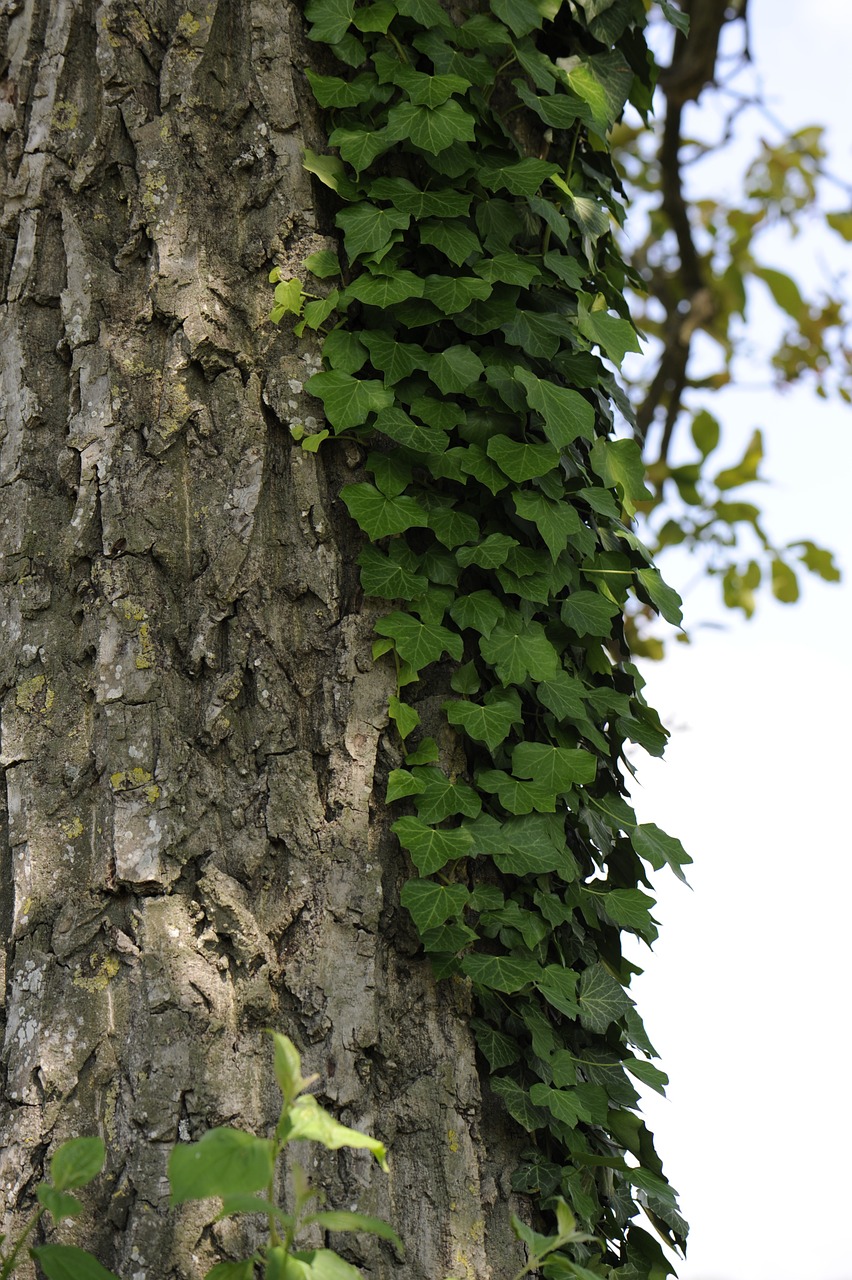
(747,993)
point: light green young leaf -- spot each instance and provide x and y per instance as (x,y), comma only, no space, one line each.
(661,595)
(224,1162)
(343,1220)
(323,264)
(288,1068)
(231,1270)
(308,1121)
(58,1203)
(319,1264)
(76,1163)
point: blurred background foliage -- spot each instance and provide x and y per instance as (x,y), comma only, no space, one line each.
(708,269)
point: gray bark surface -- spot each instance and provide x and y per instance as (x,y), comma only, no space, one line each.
(191,722)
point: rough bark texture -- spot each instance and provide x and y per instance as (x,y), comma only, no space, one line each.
(191,723)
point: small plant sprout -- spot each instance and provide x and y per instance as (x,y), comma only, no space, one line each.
(239,1169)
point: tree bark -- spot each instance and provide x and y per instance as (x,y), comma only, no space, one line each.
(192,727)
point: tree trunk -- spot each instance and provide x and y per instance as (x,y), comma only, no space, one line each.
(191,723)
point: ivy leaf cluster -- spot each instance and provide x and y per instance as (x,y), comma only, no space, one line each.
(472,338)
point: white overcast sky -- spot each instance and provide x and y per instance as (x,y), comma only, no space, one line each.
(747,993)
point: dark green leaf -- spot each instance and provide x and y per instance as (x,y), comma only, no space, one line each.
(490,553)
(662,596)
(409,199)
(601,998)
(418,643)
(619,464)
(67,1262)
(613,335)
(588,613)
(519,1105)
(454,239)
(480,611)
(500,1050)
(517,649)
(384,291)
(500,973)
(520,177)
(555,521)
(656,847)
(566,413)
(455,368)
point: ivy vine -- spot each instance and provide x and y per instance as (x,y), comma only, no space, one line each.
(470,336)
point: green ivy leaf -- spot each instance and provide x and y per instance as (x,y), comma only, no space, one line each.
(366,228)
(451,294)
(500,973)
(76,1162)
(567,415)
(454,239)
(522,461)
(490,721)
(516,649)
(480,611)
(385,291)
(516,796)
(432,129)
(430,904)
(614,336)
(520,177)
(384,577)
(659,849)
(333,91)
(455,368)
(558,985)
(360,147)
(619,464)
(662,596)
(518,1103)
(555,768)
(402,784)
(557,522)
(490,553)
(588,613)
(348,401)
(405,717)
(601,998)
(442,798)
(380,516)
(407,198)
(331,19)
(58,1203)
(432,848)
(648,1074)
(500,1050)
(419,643)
